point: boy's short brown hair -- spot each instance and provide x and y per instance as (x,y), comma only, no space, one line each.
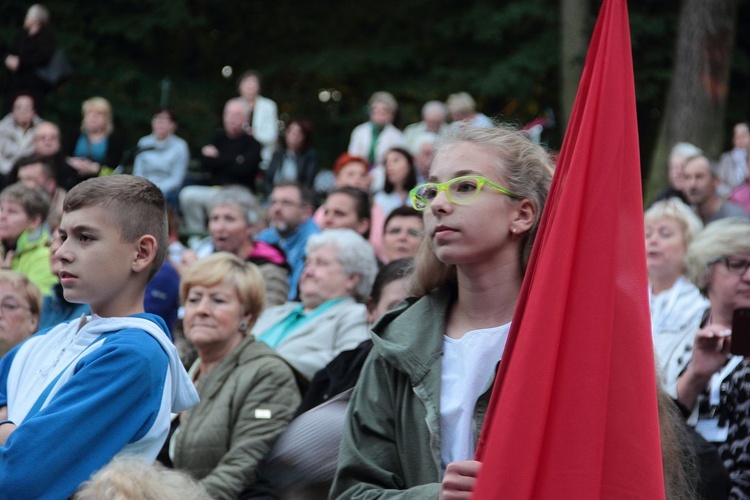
(135,204)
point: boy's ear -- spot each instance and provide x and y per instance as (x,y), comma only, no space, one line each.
(145,252)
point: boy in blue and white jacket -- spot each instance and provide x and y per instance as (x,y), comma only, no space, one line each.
(74,396)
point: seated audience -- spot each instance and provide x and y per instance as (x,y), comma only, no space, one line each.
(55,309)
(232,157)
(291,224)
(741,195)
(127,478)
(347,208)
(17,133)
(350,170)
(732,169)
(434,121)
(675,173)
(162,157)
(303,460)
(462,108)
(47,147)
(330,319)
(422,393)
(97,150)
(25,242)
(701,189)
(295,160)
(233,218)
(677,305)
(262,113)
(372,139)
(39,172)
(162,296)
(715,385)
(20,305)
(404,231)
(423,152)
(400,178)
(248,393)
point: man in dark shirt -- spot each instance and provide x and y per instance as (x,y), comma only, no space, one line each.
(231,157)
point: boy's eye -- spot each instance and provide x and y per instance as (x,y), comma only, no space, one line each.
(84,238)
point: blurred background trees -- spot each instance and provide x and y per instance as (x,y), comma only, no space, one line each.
(322,60)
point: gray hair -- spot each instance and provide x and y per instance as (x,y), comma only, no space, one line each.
(461,102)
(434,106)
(721,238)
(685,150)
(238,196)
(127,476)
(674,208)
(40,13)
(237,100)
(386,98)
(353,252)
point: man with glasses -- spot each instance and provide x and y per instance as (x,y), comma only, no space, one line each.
(290,211)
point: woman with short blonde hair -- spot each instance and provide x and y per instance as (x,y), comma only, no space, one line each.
(248,393)
(677,306)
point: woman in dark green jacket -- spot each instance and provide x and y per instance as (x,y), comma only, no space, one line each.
(420,402)
(248,393)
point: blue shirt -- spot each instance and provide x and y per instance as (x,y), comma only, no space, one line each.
(294,248)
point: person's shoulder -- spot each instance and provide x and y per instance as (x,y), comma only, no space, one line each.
(269,235)
(733,210)
(309,227)
(137,333)
(146,140)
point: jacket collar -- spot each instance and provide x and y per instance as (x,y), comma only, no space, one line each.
(410,337)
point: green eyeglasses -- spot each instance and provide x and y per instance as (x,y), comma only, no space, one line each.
(459,191)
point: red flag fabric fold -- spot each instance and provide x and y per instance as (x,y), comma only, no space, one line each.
(574,409)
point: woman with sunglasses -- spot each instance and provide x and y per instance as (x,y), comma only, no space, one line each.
(716,386)
(420,402)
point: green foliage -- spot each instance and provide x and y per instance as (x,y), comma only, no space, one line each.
(504,53)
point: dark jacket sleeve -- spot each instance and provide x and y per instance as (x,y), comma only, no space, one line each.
(308,167)
(35,51)
(273,167)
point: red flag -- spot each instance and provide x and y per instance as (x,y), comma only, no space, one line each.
(574,410)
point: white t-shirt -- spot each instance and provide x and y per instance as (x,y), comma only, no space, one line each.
(468,368)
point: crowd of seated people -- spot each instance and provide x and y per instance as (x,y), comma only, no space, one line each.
(277,293)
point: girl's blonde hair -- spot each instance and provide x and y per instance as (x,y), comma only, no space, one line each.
(527,170)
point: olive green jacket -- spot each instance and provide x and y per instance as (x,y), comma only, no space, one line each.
(246,402)
(391,443)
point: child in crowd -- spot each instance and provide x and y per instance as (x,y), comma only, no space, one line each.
(80,393)
(25,242)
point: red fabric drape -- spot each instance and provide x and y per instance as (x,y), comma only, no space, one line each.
(574,413)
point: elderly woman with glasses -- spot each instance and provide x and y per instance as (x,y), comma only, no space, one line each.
(248,393)
(414,417)
(715,385)
(20,305)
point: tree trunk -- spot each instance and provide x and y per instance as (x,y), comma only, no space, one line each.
(573,43)
(700,84)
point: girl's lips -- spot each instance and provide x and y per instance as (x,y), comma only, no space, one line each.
(443,232)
